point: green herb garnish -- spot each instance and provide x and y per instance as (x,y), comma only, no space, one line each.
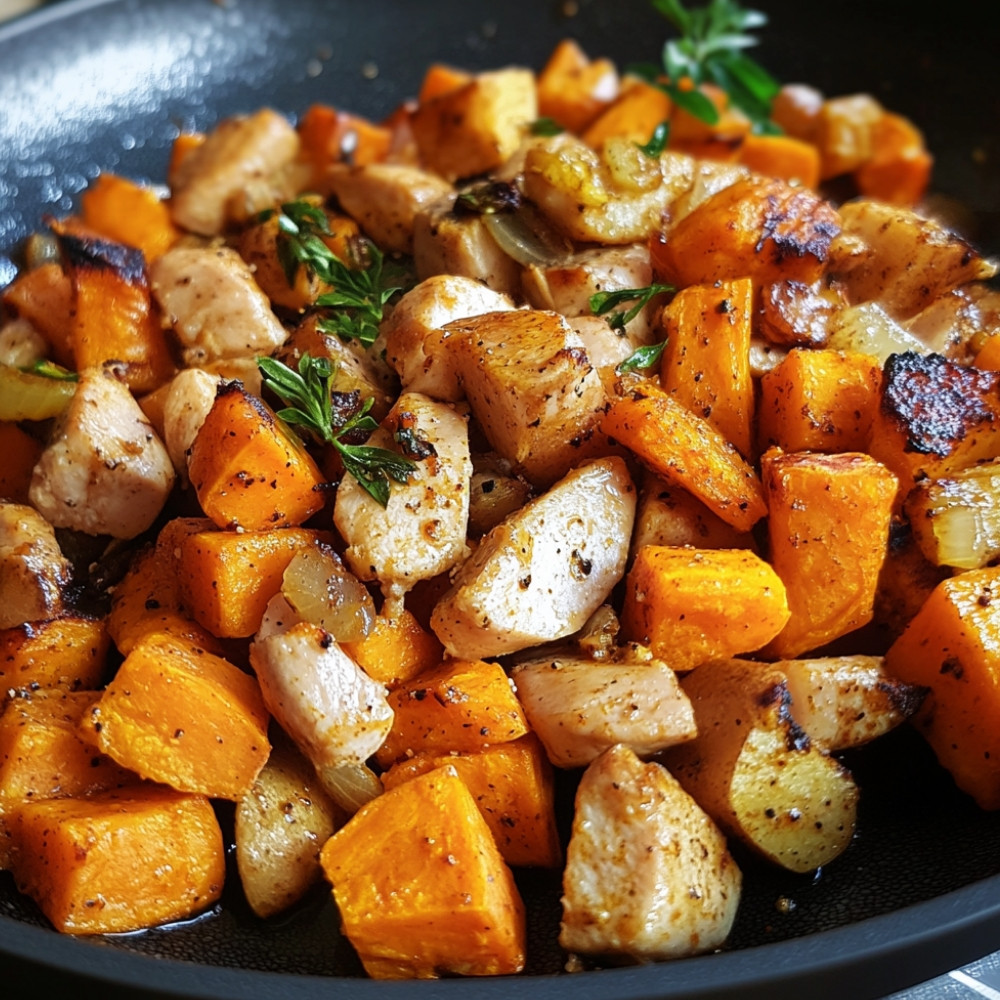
(711,49)
(642,358)
(361,288)
(657,141)
(602,303)
(49,369)
(546,126)
(332,418)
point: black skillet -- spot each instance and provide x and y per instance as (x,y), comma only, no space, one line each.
(90,85)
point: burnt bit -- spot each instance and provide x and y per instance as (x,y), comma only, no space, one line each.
(935,402)
(94,254)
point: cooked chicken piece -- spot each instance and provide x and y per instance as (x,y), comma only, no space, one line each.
(417,345)
(421,532)
(581,707)
(911,261)
(210,298)
(540,574)
(846,701)
(648,875)
(619,197)
(385,198)
(605,346)
(446,242)
(958,323)
(330,707)
(21,344)
(33,571)
(532,388)
(239,153)
(568,287)
(104,472)
(187,402)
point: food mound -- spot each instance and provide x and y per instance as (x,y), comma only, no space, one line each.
(377,476)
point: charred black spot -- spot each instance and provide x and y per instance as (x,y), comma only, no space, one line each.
(93,253)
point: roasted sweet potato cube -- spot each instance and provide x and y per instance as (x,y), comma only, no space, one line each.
(513,787)
(67,651)
(183,717)
(935,417)
(21,451)
(706,361)
(634,115)
(819,400)
(248,470)
(828,528)
(397,649)
(573,89)
(758,227)
(693,605)
(44,296)
(119,860)
(898,171)
(421,886)
(784,156)
(684,449)
(462,705)
(126,212)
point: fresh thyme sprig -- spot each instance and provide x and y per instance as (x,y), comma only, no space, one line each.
(602,303)
(711,49)
(642,358)
(657,141)
(360,289)
(332,418)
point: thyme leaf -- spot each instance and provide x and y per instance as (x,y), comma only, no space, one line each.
(602,303)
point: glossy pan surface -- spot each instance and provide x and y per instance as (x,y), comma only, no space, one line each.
(86,86)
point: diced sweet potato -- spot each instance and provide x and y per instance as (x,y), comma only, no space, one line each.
(396,649)
(473,129)
(899,168)
(706,363)
(512,784)
(421,886)
(130,213)
(781,156)
(43,295)
(819,400)
(828,527)
(573,89)
(43,755)
(67,651)
(119,861)
(633,115)
(20,451)
(951,647)
(462,705)
(248,470)
(693,605)
(683,448)
(758,227)
(183,717)
(226,578)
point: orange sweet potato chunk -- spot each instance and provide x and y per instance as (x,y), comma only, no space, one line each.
(512,784)
(43,755)
(131,213)
(397,649)
(684,449)
(828,531)
(119,860)
(226,578)
(692,605)
(573,89)
(248,471)
(183,717)
(67,651)
(20,451)
(421,886)
(952,647)
(462,705)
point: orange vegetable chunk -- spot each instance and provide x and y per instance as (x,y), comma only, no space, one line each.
(829,534)
(461,705)
(782,156)
(130,213)
(759,227)
(396,649)
(686,450)
(573,89)
(183,717)
(67,651)
(421,886)
(899,169)
(20,451)
(43,755)
(951,647)
(330,136)
(248,471)
(226,578)
(692,605)
(119,861)
(512,784)
(706,363)
(633,115)
(43,295)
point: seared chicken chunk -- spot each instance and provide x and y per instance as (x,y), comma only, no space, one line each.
(188,400)
(329,706)
(648,874)
(416,343)
(581,707)
(421,532)
(33,571)
(541,573)
(242,152)
(105,472)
